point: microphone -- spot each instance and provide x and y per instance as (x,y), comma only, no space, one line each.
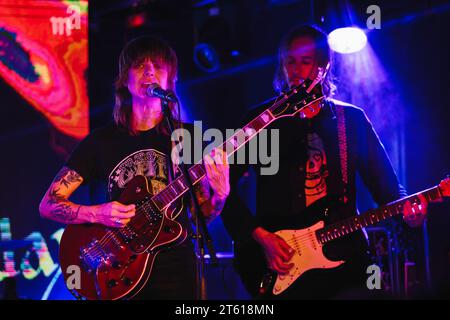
(155,90)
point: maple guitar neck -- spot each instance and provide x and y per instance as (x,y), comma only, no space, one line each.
(374,216)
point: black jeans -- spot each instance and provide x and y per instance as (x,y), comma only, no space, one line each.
(173,275)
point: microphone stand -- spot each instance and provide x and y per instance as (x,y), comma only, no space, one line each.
(202,235)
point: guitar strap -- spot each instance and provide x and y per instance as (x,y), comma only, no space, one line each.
(342,141)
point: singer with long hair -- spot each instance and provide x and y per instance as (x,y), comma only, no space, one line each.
(138,142)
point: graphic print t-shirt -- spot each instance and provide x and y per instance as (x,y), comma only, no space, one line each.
(149,163)
(109,158)
(316,169)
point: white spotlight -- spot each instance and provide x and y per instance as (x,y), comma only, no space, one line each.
(347,40)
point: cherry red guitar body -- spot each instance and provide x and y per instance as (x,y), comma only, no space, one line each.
(100,262)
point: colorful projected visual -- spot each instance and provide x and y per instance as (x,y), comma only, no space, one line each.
(44,57)
(34,258)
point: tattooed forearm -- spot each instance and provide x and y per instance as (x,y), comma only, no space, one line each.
(67,176)
(56,205)
(64,212)
(61,209)
(54,197)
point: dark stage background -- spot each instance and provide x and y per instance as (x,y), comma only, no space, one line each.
(405,92)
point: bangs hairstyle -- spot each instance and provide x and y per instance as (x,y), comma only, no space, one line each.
(135,52)
(323,53)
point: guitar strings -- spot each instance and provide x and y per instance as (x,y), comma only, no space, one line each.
(301,240)
(304,237)
(142,210)
(108,237)
(336,232)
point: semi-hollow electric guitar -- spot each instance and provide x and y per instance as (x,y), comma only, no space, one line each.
(117,263)
(308,242)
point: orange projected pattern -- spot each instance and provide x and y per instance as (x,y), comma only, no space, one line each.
(44,57)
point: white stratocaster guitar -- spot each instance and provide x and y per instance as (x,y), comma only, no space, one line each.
(308,242)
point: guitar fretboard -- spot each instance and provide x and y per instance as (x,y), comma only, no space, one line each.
(179,185)
(293,100)
(374,216)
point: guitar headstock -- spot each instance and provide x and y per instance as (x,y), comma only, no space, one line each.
(444,187)
(303,99)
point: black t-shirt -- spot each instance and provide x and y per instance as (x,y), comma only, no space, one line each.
(112,157)
(107,159)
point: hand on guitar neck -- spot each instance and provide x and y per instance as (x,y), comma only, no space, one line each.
(414,212)
(276,250)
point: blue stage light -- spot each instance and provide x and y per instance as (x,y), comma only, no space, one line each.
(206,57)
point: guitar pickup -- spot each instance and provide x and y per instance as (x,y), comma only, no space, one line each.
(93,256)
(127,234)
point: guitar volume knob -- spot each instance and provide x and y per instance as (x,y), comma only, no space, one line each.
(127,281)
(112,283)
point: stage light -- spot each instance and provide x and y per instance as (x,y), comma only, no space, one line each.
(137,20)
(235,53)
(214,46)
(347,40)
(206,57)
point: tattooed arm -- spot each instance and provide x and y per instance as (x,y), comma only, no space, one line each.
(56,205)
